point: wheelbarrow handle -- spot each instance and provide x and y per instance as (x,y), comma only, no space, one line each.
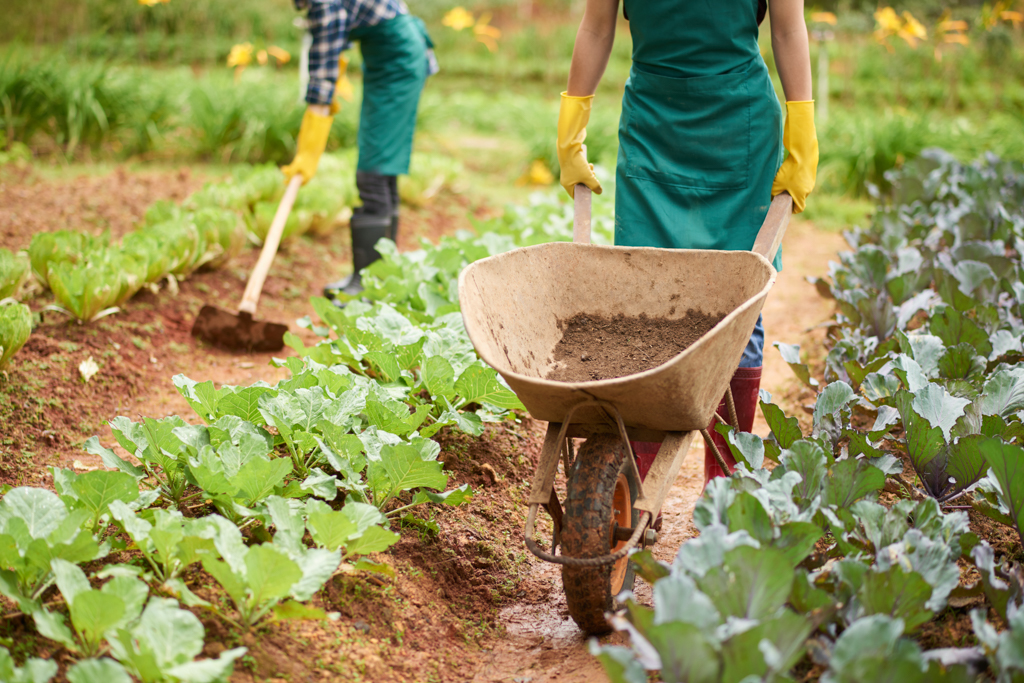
(769,237)
(581,215)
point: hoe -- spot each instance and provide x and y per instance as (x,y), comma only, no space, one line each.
(240,331)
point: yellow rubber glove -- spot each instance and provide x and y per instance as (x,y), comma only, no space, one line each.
(343,88)
(573,116)
(800,169)
(313,134)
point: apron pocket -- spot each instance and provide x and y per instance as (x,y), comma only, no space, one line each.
(688,132)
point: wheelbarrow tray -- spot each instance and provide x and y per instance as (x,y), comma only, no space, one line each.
(513,303)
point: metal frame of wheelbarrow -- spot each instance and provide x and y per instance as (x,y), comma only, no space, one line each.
(674,444)
(653,491)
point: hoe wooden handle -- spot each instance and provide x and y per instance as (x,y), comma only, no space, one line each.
(270,244)
(581,215)
(769,237)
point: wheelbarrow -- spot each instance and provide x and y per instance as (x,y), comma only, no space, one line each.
(512,305)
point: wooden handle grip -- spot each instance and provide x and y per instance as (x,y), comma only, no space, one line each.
(769,237)
(581,215)
(270,244)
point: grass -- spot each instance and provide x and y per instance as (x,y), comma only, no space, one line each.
(494,112)
(836,212)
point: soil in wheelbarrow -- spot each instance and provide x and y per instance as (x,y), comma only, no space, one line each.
(597,347)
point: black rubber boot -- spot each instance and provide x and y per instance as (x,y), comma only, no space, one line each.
(395,202)
(367,229)
(393,228)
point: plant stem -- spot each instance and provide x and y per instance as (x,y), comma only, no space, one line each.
(404,507)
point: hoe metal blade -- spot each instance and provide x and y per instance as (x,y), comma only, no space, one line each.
(238,331)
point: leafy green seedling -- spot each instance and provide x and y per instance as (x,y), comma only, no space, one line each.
(102,670)
(161,646)
(15,328)
(35,529)
(34,671)
(170,542)
(260,577)
(157,446)
(97,490)
(1007,468)
(94,613)
(356,528)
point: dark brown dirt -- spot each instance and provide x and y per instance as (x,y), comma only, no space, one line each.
(114,202)
(596,347)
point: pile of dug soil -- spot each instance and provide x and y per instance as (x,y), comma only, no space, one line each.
(596,347)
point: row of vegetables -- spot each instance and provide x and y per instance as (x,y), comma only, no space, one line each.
(797,563)
(293,483)
(92,276)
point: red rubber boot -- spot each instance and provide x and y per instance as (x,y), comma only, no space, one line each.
(745,384)
(645,452)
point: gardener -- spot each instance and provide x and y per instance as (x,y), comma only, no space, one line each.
(397,58)
(700,137)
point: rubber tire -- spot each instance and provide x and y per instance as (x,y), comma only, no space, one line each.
(586,529)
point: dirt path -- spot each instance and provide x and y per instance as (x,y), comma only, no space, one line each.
(542,642)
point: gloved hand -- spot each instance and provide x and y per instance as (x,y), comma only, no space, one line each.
(312,142)
(800,169)
(343,88)
(573,116)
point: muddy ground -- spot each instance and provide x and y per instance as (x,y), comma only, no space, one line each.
(469,604)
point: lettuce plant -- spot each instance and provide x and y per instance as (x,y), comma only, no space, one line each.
(15,329)
(14,269)
(47,248)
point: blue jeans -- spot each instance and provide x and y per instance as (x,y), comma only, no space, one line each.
(753,355)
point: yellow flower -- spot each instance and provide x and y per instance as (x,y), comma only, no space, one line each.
(953,25)
(458,18)
(1015,18)
(992,14)
(240,55)
(538,174)
(912,31)
(824,18)
(888,24)
(153,3)
(261,57)
(888,20)
(487,34)
(281,55)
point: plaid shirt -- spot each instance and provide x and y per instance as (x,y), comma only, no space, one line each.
(329,23)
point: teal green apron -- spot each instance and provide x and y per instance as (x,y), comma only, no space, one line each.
(700,138)
(395,68)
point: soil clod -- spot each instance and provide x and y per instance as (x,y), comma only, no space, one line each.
(596,347)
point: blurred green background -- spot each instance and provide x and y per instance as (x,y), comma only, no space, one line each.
(103,80)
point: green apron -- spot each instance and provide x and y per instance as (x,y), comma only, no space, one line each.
(395,69)
(700,137)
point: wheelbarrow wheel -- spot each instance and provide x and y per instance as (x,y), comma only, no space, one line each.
(601,491)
